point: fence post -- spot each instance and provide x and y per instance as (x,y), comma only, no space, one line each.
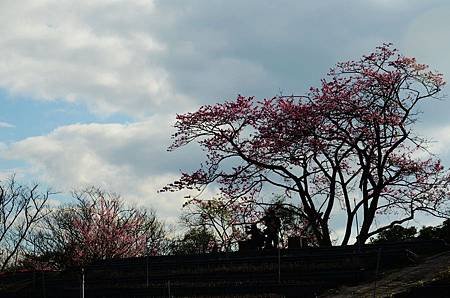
(376,273)
(279,266)
(43,285)
(147,268)
(82,282)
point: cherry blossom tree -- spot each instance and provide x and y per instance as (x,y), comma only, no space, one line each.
(349,143)
(97,227)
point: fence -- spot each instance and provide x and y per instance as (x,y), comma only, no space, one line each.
(282,272)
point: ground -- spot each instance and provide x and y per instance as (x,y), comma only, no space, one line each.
(432,273)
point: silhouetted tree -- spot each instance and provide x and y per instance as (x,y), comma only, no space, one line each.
(224,219)
(229,220)
(395,233)
(439,232)
(353,137)
(21,208)
(194,241)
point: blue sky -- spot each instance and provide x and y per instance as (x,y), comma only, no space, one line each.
(89,89)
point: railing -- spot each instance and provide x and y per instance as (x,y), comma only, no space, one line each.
(285,272)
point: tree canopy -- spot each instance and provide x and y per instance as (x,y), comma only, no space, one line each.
(97,226)
(349,143)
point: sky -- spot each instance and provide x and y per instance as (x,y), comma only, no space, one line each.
(89,89)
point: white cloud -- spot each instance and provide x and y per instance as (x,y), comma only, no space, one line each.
(439,137)
(6,125)
(130,159)
(96,52)
(142,58)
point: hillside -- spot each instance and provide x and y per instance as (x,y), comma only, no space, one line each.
(429,278)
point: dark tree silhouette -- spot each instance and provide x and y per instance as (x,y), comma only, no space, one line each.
(194,241)
(439,232)
(395,233)
(21,208)
(353,137)
(225,220)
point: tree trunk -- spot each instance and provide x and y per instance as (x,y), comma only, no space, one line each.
(348,229)
(325,240)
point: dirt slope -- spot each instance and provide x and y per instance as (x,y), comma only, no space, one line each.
(404,282)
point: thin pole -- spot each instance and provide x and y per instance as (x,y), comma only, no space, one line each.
(43,285)
(168,287)
(82,282)
(147,268)
(376,273)
(279,266)
(357,224)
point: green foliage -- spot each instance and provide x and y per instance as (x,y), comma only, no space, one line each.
(194,241)
(439,232)
(293,222)
(399,233)
(395,233)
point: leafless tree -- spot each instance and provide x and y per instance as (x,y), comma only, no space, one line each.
(21,207)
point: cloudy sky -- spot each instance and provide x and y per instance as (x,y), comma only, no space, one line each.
(89,89)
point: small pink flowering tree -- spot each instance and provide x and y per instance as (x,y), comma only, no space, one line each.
(350,140)
(105,230)
(98,227)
